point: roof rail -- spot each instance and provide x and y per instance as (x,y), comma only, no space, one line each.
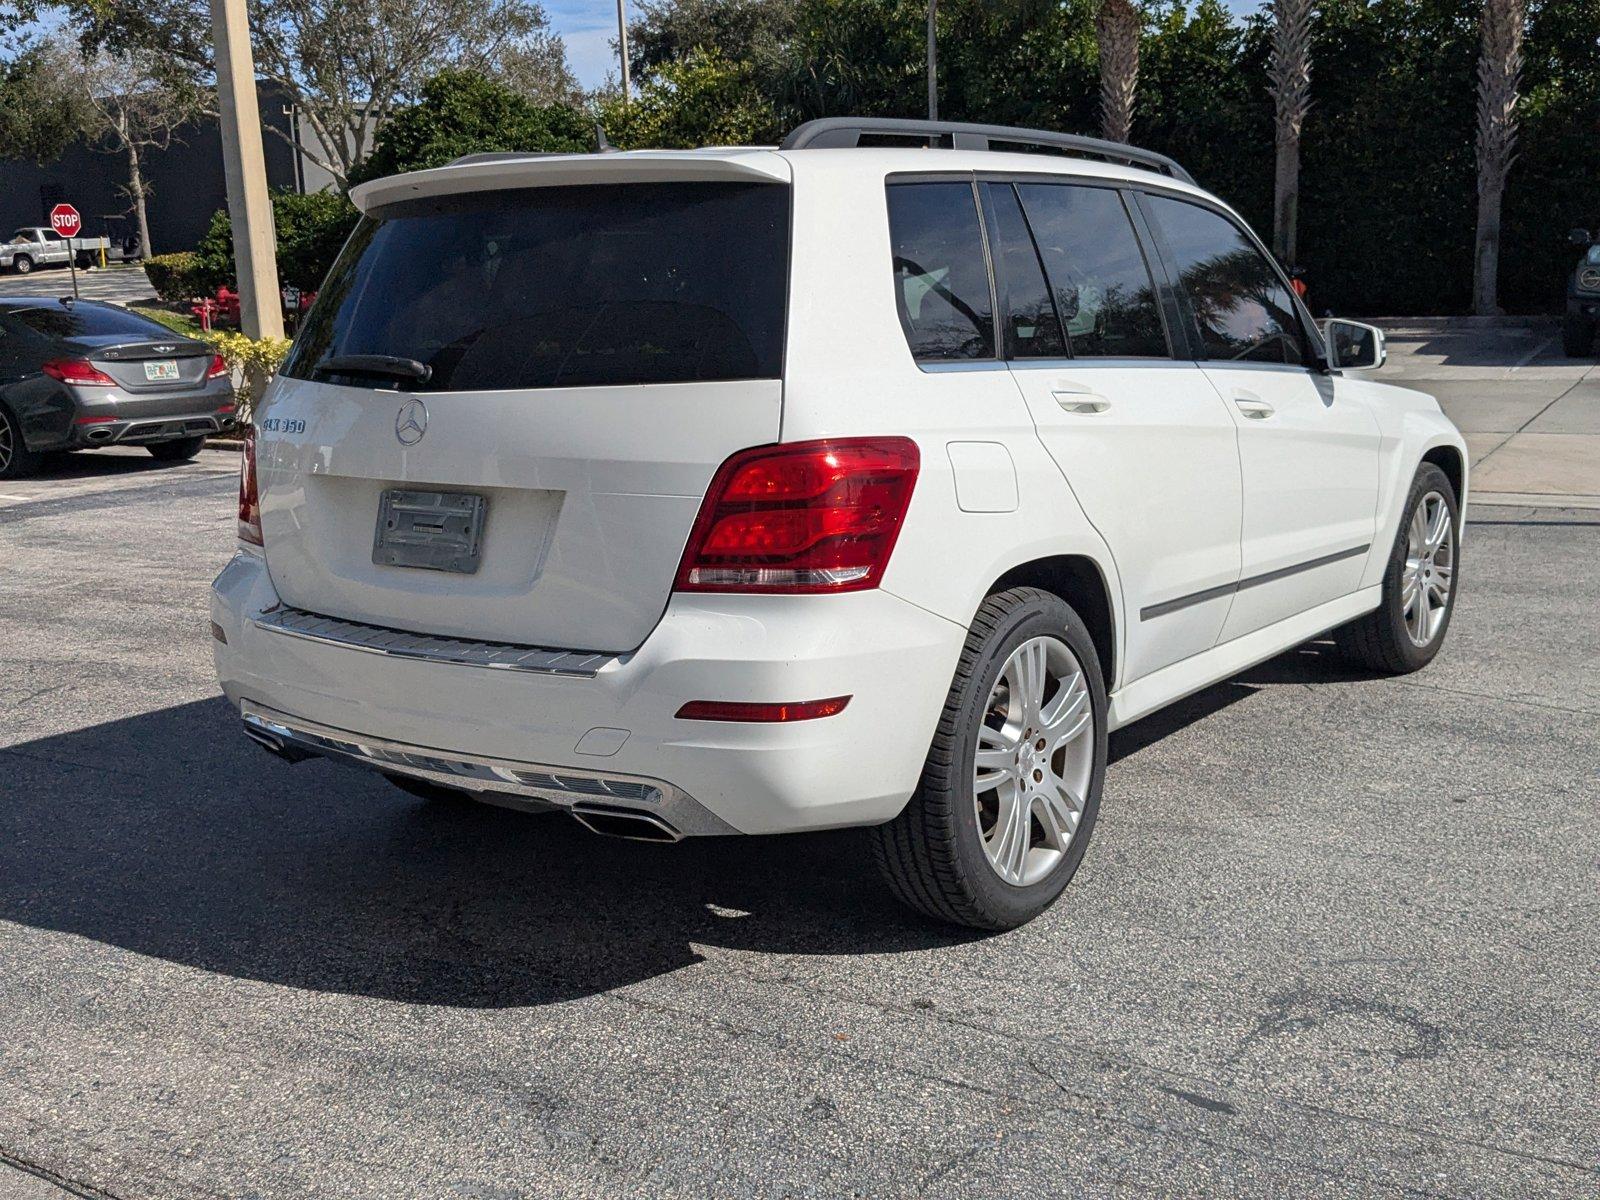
(500,156)
(845,132)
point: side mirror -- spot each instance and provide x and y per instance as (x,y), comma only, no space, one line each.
(1353,346)
(1579,237)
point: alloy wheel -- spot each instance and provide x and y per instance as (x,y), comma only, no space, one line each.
(1430,566)
(8,442)
(1034,761)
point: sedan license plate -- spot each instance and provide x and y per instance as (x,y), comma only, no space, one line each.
(431,531)
(164,368)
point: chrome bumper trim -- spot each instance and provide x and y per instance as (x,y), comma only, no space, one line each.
(397,643)
(563,787)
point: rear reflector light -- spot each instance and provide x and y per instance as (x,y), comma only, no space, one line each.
(249,498)
(728,710)
(225,408)
(77,371)
(803,518)
(93,420)
(218,367)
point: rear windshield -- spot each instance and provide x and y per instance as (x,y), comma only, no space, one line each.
(562,287)
(80,321)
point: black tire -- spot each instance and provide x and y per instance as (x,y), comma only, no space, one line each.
(1380,640)
(932,854)
(16,460)
(22,264)
(181,450)
(1577,336)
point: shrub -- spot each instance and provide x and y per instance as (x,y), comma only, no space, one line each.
(249,359)
(175,276)
(310,230)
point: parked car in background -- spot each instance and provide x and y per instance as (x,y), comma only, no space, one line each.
(35,246)
(1583,298)
(78,375)
(868,481)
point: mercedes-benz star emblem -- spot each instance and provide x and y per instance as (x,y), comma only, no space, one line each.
(411,422)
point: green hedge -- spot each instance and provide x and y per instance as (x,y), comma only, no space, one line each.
(175,276)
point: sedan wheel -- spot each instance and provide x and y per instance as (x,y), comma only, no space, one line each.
(16,460)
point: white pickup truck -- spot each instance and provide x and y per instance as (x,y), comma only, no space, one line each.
(40,246)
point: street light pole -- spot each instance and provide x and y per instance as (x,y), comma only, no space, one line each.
(622,43)
(245,170)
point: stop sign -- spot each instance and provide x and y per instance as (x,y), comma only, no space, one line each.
(64,219)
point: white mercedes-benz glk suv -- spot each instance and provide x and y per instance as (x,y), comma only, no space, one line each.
(742,491)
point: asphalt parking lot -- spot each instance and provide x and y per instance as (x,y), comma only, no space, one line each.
(1337,935)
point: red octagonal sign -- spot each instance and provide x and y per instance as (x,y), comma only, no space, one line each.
(64,219)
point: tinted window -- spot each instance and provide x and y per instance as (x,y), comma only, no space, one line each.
(81,320)
(563,287)
(1102,286)
(941,278)
(1032,329)
(1241,306)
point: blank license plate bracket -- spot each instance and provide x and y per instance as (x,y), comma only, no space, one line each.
(429,531)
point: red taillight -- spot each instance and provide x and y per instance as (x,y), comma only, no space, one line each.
(78,372)
(731,710)
(218,367)
(803,518)
(249,498)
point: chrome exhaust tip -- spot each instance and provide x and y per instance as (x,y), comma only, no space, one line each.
(274,745)
(100,436)
(624,823)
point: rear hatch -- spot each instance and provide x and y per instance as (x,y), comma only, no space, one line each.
(173,364)
(505,407)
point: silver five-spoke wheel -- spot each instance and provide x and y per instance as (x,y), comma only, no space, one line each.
(1430,563)
(1034,759)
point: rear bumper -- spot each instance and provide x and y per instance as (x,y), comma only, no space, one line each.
(495,729)
(111,415)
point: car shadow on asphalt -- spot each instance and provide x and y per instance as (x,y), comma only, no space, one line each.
(169,834)
(99,464)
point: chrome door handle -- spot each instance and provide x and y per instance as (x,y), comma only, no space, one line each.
(1081,402)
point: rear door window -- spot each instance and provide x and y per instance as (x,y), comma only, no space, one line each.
(562,287)
(1098,275)
(1031,327)
(1235,297)
(941,274)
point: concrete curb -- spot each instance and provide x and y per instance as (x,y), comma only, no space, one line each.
(1450,324)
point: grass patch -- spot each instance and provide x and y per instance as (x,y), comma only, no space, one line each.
(181,323)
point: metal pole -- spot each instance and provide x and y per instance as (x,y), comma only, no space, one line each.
(622,42)
(245,169)
(933,63)
(72,261)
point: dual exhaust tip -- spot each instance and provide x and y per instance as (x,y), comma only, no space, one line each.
(596,818)
(100,435)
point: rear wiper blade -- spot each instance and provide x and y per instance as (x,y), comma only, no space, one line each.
(388,366)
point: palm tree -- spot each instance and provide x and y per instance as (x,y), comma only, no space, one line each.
(1116,31)
(933,63)
(1499,77)
(1289,71)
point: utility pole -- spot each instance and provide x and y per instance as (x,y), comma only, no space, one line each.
(622,42)
(245,169)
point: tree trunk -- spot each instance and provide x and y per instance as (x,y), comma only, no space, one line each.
(136,190)
(933,63)
(1499,78)
(1289,73)
(1116,28)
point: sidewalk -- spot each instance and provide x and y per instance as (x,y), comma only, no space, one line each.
(119,283)
(1531,416)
